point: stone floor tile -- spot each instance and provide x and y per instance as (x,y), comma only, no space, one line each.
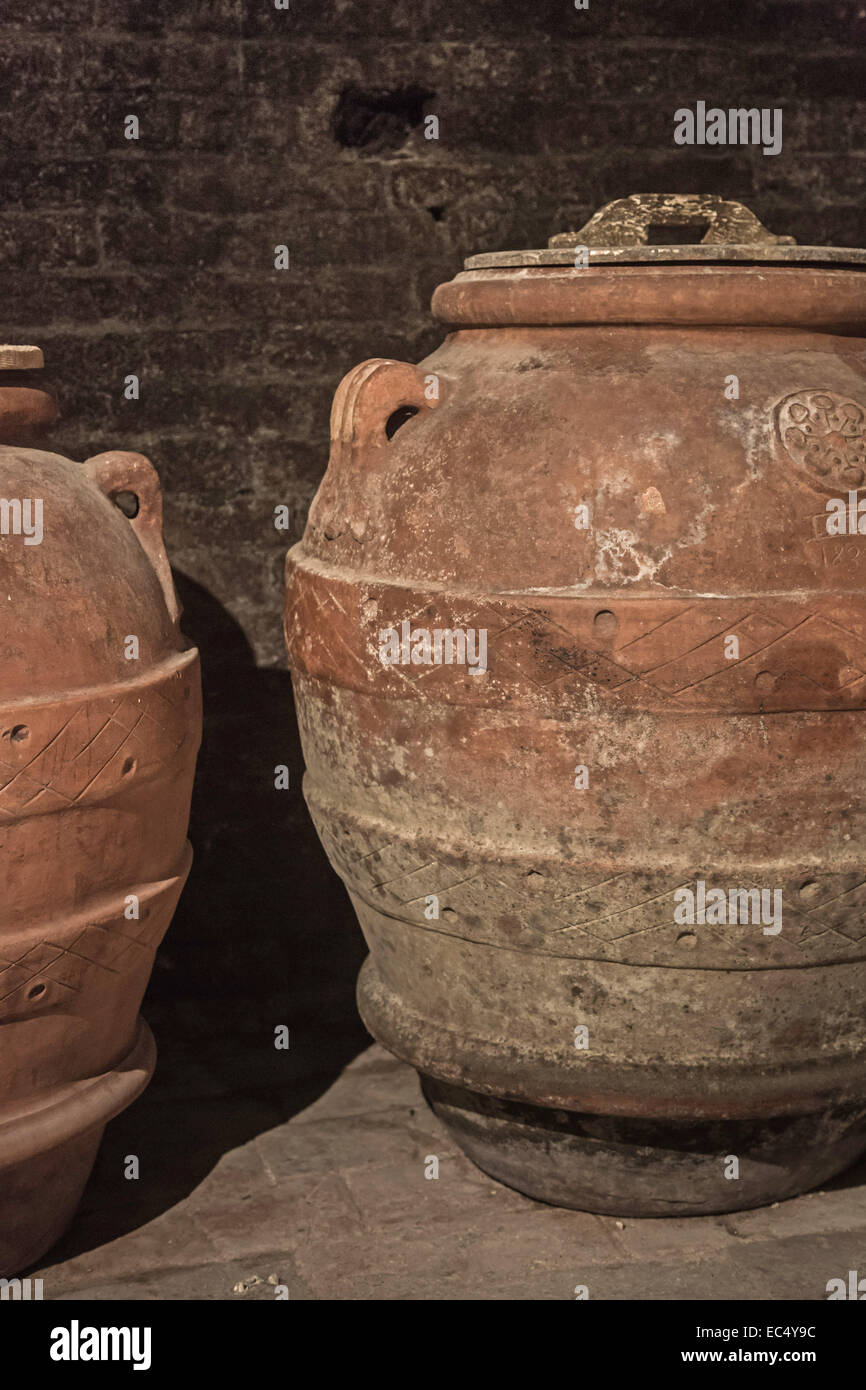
(398,1265)
(368,1084)
(251,1217)
(173,1239)
(336,1143)
(390,1195)
(671,1237)
(814,1213)
(521,1245)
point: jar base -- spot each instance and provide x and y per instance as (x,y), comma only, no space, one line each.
(39,1199)
(620,1166)
(47,1153)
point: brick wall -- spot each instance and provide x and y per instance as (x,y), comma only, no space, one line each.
(305,127)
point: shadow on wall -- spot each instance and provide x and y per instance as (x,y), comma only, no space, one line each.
(264,935)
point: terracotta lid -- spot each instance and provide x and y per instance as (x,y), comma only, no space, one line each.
(670,229)
(664,259)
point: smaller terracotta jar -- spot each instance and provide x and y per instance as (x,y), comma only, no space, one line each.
(100,721)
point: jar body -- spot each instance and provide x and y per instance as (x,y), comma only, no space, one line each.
(610,508)
(100,721)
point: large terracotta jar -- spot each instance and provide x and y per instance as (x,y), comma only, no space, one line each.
(580,662)
(100,722)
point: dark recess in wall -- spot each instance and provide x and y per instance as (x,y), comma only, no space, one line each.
(378,121)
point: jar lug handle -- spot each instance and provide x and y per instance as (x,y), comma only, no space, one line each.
(367,399)
(118,474)
(372,402)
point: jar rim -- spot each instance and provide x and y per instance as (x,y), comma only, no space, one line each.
(668,255)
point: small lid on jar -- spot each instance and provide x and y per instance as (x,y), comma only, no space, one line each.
(15,358)
(670,229)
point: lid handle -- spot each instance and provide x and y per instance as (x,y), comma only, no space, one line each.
(646,219)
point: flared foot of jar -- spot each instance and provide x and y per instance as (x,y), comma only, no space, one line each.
(47,1152)
(39,1198)
(635,1167)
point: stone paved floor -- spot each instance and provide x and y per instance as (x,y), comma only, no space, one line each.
(261,1167)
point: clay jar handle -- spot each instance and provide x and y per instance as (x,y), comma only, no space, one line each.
(131,482)
(373,400)
(368,401)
